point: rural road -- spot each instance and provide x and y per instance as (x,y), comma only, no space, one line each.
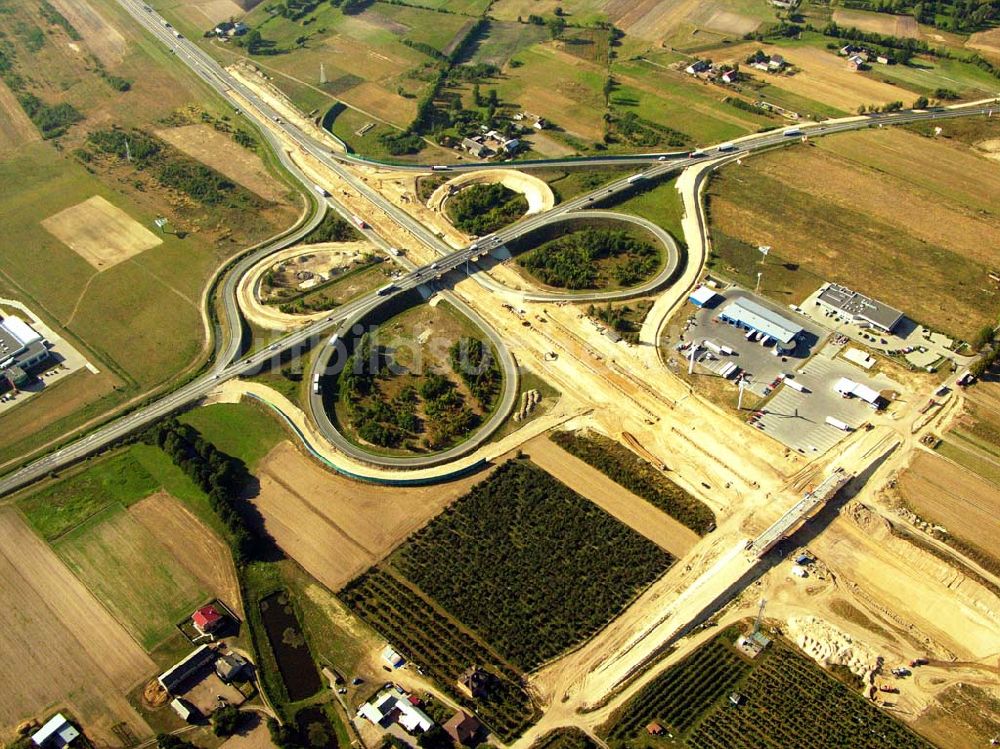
(450,259)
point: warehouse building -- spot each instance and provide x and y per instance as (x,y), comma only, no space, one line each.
(22,350)
(750,315)
(858,308)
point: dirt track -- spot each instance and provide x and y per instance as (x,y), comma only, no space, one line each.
(194,545)
(57,640)
(634,511)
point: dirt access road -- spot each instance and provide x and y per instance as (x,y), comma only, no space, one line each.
(634,511)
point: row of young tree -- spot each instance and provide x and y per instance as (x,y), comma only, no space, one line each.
(222,477)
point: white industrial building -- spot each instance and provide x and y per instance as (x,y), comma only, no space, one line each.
(22,348)
(748,314)
(858,308)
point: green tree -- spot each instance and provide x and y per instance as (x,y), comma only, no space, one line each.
(921,102)
(556,26)
(226,720)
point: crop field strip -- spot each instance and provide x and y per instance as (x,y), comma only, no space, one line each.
(506,560)
(787,702)
(430,639)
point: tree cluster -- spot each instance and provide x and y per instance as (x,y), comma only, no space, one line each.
(636,131)
(474,362)
(173,169)
(222,477)
(226,720)
(570,261)
(332,229)
(482,209)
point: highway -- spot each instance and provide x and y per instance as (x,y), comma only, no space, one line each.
(656,166)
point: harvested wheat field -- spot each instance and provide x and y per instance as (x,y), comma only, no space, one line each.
(99,232)
(335,527)
(222,153)
(58,644)
(15,127)
(103,39)
(880,23)
(944,493)
(633,511)
(200,551)
(986,41)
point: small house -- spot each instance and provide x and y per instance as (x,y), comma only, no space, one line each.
(207,619)
(736,699)
(391,657)
(855,62)
(655,729)
(475,682)
(540,124)
(730,76)
(776,63)
(885,60)
(463,728)
(698,66)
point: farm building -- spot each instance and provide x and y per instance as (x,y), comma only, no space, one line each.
(463,728)
(856,62)
(21,350)
(392,706)
(475,682)
(231,667)
(56,733)
(198,659)
(702,297)
(698,66)
(851,389)
(748,314)
(187,711)
(207,619)
(476,148)
(859,308)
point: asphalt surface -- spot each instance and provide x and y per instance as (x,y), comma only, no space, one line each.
(657,165)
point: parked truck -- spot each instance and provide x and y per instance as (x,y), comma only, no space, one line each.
(796,385)
(841,425)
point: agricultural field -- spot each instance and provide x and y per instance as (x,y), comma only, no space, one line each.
(660,203)
(16,129)
(243,430)
(366,61)
(421,397)
(638,514)
(633,473)
(109,74)
(423,634)
(59,644)
(332,527)
(787,701)
(820,227)
(505,560)
(123,564)
(950,494)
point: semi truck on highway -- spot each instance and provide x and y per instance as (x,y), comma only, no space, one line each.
(841,425)
(636,178)
(395,252)
(727,146)
(333,340)
(439,168)
(322,191)
(316,384)
(360,222)
(793,131)
(386,289)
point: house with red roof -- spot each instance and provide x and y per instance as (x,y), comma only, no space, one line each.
(207,619)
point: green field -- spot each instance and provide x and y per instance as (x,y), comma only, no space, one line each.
(787,702)
(660,204)
(242,430)
(132,574)
(506,560)
(117,480)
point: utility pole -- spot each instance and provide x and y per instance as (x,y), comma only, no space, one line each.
(739,404)
(760,616)
(128,152)
(694,349)
(757,289)
(322,74)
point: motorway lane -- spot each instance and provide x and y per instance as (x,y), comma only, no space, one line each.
(216,77)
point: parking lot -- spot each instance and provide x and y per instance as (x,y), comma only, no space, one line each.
(758,362)
(798,419)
